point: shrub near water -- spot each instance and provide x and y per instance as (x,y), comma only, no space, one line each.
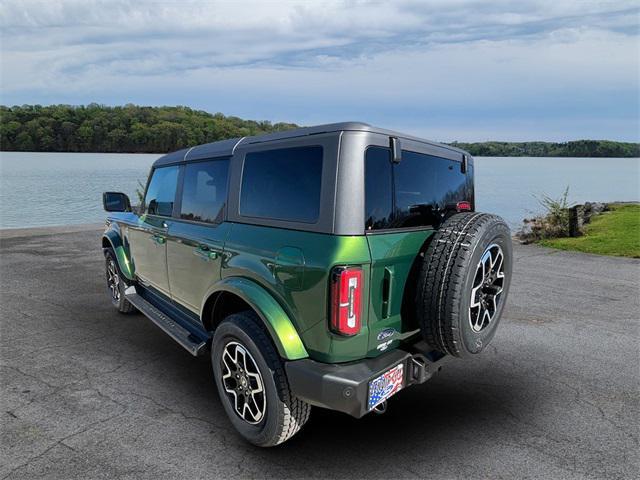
(554,223)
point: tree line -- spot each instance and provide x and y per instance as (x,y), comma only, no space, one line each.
(577,148)
(137,129)
(127,129)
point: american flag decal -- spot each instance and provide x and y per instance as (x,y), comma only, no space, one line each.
(385,385)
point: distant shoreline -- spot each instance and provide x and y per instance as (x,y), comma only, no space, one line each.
(98,128)
(163,153)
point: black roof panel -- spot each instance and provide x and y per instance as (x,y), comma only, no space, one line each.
(223,148)
(227,147)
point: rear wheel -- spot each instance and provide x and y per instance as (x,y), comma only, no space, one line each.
(116,284)
(463,283)
(252,383)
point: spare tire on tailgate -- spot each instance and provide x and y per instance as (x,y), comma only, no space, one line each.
(463,283)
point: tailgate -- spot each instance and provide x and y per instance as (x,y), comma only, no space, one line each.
(394,258)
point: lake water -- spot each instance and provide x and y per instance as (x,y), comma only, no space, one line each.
(41,189)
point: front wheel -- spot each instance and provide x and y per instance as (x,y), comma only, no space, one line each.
(116,284)
(252,383)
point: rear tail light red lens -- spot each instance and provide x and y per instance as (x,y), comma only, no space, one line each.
(346,300)
(463,206)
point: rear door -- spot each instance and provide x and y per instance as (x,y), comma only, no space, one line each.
(197,234)
(149,237)
(404,203)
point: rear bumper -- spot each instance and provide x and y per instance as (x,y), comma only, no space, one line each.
(345,387)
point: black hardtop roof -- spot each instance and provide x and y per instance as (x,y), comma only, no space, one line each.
(226,147)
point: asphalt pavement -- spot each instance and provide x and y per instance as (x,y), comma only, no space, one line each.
(89,393)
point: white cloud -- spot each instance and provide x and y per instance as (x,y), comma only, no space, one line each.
(320,61)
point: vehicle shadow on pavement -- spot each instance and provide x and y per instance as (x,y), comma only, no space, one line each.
(447,417)
(452,404)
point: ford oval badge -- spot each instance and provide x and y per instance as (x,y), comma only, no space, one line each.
(386,333)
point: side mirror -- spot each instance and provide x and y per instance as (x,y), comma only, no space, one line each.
(116,202)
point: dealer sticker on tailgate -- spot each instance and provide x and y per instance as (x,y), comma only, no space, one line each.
(382,387)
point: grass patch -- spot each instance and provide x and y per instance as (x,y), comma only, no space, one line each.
(616,232)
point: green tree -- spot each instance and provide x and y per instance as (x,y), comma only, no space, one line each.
(132,128)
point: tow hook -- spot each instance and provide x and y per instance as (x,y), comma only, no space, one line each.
(380,408)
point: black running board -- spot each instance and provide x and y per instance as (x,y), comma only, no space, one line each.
(193,345)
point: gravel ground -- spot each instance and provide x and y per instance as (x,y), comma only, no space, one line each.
(88,393)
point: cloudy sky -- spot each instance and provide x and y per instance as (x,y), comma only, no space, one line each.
(447,70)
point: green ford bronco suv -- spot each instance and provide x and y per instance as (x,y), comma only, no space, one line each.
(330,266)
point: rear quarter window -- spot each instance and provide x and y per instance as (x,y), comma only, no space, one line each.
(282,184)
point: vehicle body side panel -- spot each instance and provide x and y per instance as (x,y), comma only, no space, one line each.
(149,250)
(194,256)
(275,319)
(295,267)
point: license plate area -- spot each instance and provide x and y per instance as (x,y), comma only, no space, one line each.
(385,385)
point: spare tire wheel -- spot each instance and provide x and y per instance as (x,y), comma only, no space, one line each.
(463,283)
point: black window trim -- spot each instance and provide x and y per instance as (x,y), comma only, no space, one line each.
(274,219)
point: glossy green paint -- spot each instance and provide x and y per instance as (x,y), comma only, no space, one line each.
(126,266)
(285,276)
(294,267)
(276,320)
(148,243)
(392,257)
(114,237)
(194,257)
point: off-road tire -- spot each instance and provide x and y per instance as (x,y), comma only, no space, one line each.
(121,303)
(285,414)
(446,279)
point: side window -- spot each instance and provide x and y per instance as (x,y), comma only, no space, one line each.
(282,184)
(204,193)
(378,188)
(161,192)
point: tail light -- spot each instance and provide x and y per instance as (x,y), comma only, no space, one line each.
(463,206)
(346,300)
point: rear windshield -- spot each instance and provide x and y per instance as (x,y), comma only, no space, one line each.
(415,192)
